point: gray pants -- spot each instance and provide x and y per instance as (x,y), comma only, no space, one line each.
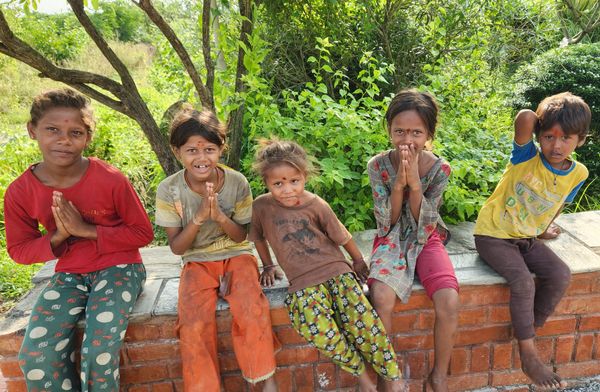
(515,260)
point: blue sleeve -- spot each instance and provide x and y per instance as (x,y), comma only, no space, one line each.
(522,153)
(573,193)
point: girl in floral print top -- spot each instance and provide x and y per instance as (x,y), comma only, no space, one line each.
(408,183)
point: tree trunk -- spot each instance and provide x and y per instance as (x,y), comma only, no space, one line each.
(236,131)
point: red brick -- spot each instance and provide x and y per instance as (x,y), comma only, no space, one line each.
(487,295)
(140,332)
(480,359)
(509,377)
(224,342)
(581,284)
(139,388)
(413,342)
(579,305)
(224,321)
(499,314)
(288,335)
(502,356)
(174,369)
(467,381)
(10,344)
(163,387)
(9,367)
(404,322)
(558,326)
(234,382)
(583,352)
(418,300)
(168,329)
(590,323)
(143,352)
(280,316)
(545,349)
(228,362)
(425,320)
(346,379)
(304,379)
(597,347)
(325,374)
(283,376)
(459,361)
(415,385)
(472,316)
(578,369)
(178,385)
(564,349)
(296,356)
(417,365)
(16,386)
(144,373)
(482,335)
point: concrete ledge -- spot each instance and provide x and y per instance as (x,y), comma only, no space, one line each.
(485,355)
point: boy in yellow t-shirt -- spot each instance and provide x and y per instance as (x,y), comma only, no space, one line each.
(536,184)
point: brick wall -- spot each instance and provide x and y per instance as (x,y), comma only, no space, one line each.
(484,354)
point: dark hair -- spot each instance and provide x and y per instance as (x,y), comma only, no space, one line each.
(568,110)
(276,152)
(189,122)
(421,102)
(62,98)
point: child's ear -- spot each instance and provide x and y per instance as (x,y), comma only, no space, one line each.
(31,130)
(176,152)
(581,141)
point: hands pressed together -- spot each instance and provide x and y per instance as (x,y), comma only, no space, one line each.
(209,208)
(68,220)
(408,167)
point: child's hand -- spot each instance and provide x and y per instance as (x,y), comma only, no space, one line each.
(61,233)
(216,214)
(401,174)
(203,213)
(361,269)
(411,166)
(70,217)
(269,275)
(551,232)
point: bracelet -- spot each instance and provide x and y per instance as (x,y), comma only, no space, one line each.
(268,267)
(197,222)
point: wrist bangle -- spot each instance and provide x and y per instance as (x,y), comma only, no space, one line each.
(197,222)
(267,267)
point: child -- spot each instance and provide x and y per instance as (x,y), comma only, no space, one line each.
(325,302)
(94,224)
(530,195)
(407,184)
(205,209)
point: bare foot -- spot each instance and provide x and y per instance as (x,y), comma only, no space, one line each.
(396,386)
(437,383)
(365,384)
(537,372)
(270,385)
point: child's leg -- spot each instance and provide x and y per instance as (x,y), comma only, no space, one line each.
(506,258)
(436,273)
(553,276)
(197,326)
(112,295)
(312,315)
(47,355)
(362,326)
(251,328)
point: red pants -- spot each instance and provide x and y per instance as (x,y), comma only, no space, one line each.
(252,335)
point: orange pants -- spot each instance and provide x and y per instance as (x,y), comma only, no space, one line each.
(252,335)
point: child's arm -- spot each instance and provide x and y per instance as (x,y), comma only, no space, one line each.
(397,195)
(413,181)
(182,238)
(552,231)
(270,271)
(234,230)
(525,123)
(358,262)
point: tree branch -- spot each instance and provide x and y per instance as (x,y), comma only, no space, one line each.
(206,97)
(107,52)
(208,63)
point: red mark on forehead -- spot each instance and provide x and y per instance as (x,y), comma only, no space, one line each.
(557,133)
(284,178)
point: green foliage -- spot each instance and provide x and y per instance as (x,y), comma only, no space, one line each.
(574,68)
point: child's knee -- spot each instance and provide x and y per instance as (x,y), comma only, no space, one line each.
(383,301)
(446,304)
(523,286)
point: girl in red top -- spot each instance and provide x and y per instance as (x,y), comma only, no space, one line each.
(94,224)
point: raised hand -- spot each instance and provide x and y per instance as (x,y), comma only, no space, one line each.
(411,166)
(61,233)
(401,173)
(216,214)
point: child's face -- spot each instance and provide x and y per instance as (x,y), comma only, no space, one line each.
(286,184)
(199,157)
(557,146)
(408,128)
(61,135)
